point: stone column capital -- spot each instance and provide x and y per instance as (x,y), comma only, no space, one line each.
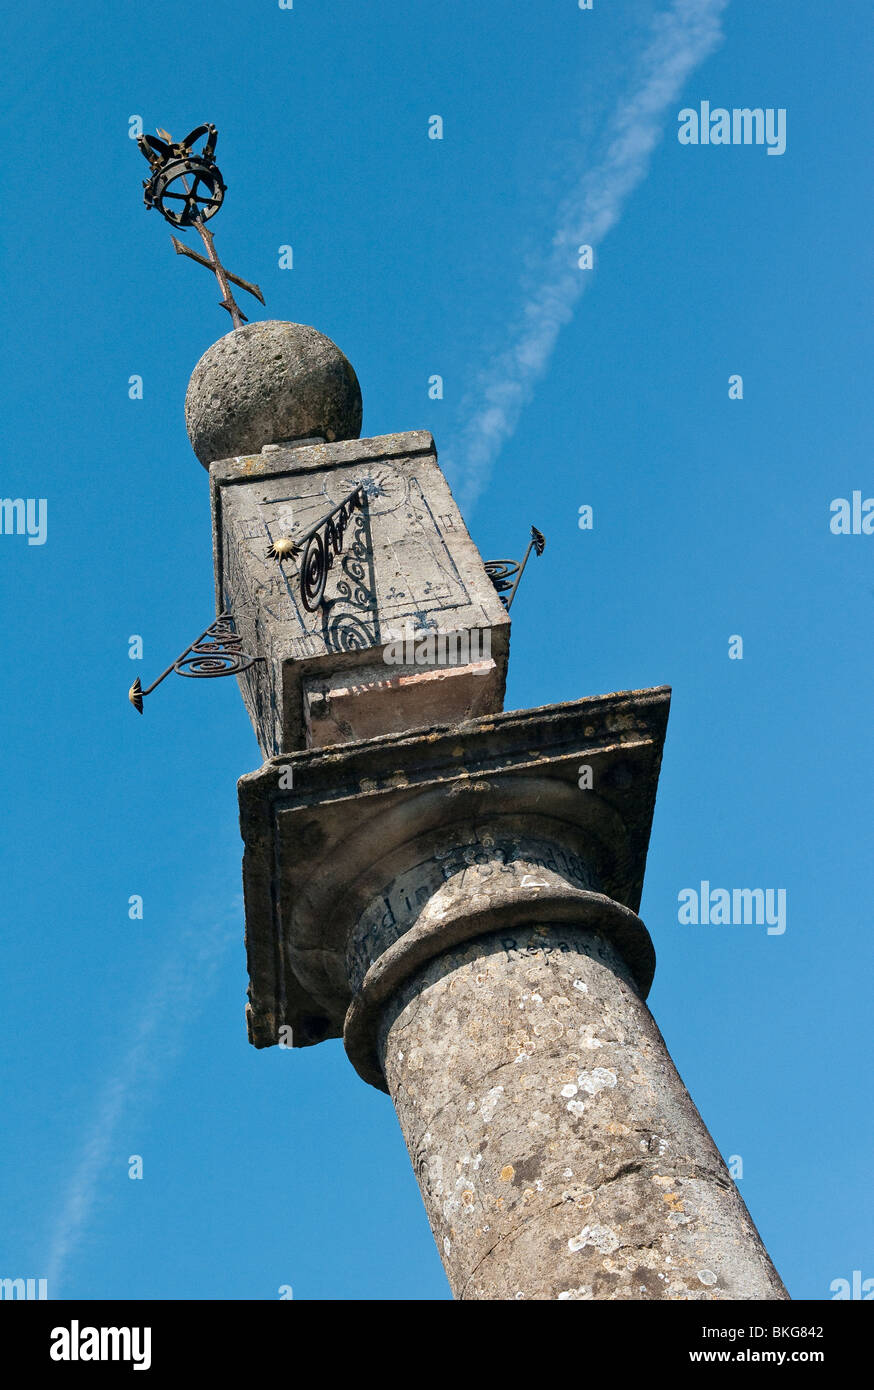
(331,833)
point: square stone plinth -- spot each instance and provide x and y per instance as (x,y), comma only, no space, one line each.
(323,829)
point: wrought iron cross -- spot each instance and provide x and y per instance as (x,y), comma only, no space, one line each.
(187,188)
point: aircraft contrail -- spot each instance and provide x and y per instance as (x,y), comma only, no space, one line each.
(190,969)
(681,38)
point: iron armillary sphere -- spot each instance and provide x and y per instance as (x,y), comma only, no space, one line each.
(173,166)
(187,188)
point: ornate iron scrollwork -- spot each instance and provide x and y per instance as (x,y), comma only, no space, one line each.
(502,574)
(216,652)
(505,574)
(320,545)
(350,621)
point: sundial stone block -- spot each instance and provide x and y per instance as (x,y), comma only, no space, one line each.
(409,632)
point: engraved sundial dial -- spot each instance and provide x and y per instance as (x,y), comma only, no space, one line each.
(387,488)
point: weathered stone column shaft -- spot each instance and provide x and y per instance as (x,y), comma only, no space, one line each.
(558,1152)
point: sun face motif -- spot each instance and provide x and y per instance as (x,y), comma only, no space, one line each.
(386,487)
(283,548)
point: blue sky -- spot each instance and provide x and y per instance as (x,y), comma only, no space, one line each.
(711,518)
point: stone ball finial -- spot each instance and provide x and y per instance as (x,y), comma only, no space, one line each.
(266,383)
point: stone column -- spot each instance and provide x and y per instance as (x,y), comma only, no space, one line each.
(558,1152)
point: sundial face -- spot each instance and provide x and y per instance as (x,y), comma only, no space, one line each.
(414,574)
(387,488)
(406,565)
